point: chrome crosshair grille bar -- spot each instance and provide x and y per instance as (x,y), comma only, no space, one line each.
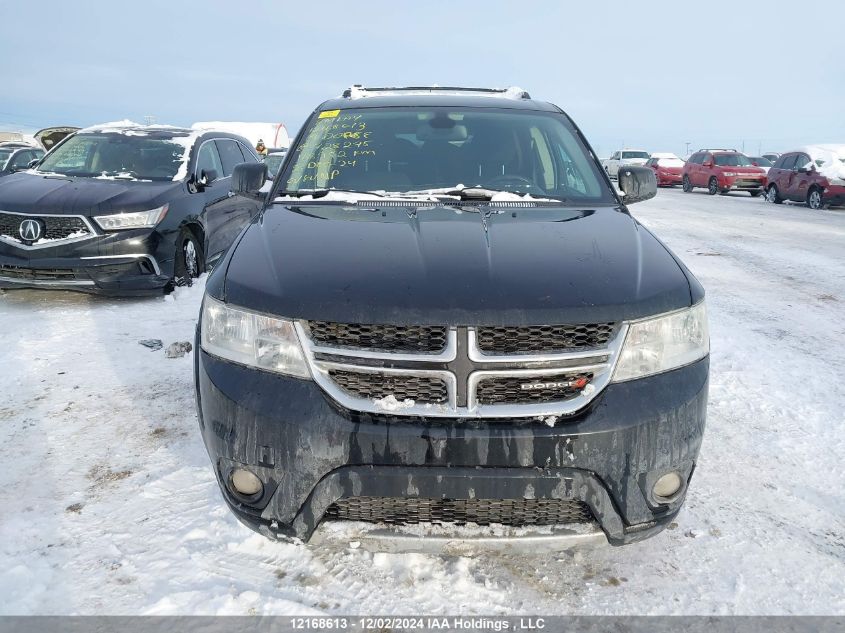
(452,376)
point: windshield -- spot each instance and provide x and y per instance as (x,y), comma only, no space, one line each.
(4,156)
(407,149)
(273,162)
(732,160)
(140,155)
(670,162)
(643,155)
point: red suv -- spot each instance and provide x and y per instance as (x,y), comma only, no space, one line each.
(814,175)
(721,171)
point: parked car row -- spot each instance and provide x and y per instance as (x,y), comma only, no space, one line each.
(814,175)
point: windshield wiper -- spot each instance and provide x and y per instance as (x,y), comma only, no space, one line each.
(481,194)
(322,193)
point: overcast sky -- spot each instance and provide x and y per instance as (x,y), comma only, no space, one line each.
(645,74)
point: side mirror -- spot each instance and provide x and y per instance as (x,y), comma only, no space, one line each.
(707,163)
(637,183)
(207,176)
(248,178)
(803,170)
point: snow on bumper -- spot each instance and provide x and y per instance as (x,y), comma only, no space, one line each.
(309,453)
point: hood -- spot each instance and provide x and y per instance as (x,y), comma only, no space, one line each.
(49,137)
(442,265)
(670,170)
(633,161)
(28,192)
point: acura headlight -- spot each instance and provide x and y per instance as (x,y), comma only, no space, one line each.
(662,343)
(136,220)
(252,339)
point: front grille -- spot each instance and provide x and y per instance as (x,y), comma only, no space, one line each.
(420,389)
(413,510)
(41,274)
(391,338)
(469,372)
(531,389)
(55,227)
(543,339)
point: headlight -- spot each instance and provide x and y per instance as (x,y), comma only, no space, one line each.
(251,339)
(729,174)
(137,220)
(666,342)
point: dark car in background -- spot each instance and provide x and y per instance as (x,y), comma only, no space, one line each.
(814,175)
(446,316)
(16,157)
(722,171)
(273,160)
(123,209)
(49,137)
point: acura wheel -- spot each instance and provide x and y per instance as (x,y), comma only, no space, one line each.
(190,262)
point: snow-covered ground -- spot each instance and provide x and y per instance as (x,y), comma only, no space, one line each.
(108,504)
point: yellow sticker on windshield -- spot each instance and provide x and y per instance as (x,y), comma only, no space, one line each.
(328,114)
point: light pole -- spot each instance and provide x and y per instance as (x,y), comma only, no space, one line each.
(688,144)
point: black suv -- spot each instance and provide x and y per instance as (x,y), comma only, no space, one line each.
(123,209)
(445,314)
(16,157)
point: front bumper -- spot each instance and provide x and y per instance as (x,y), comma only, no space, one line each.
(119,264)
(309,453)
(742,184)
(667,180)
(834,195)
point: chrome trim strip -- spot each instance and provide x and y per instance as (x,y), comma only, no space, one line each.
(151,259)
(477,356)
(14,242)
(46,282)
(381,538)
(601,377)
(449,353)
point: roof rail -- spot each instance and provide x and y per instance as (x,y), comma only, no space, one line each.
(357,91)
(718,149)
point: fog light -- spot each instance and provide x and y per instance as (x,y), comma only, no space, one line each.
(246,483)
(667,485)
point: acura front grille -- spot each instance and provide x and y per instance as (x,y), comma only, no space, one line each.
(53,230)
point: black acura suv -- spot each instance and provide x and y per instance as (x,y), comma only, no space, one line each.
(445,324)
(123,209)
